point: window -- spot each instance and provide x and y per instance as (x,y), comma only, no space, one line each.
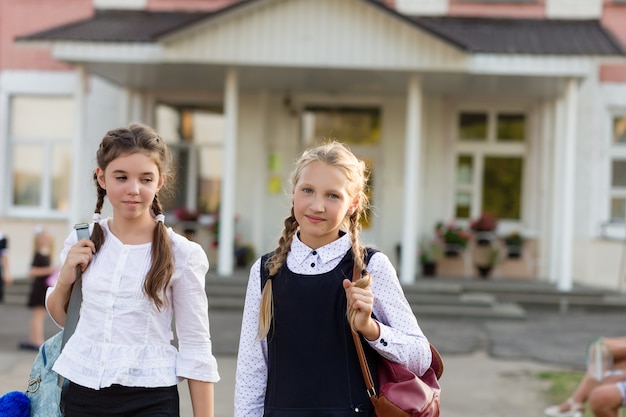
(502,186)
(195,137)
(473,126)
(490,164)
(354,126)
(41,130)
(618,169)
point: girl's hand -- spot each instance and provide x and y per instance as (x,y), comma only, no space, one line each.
(361,300)
(79,255)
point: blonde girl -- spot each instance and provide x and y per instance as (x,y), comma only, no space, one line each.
(296,355)
(137,275)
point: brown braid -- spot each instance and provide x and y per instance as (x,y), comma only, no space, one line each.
(162,267)
(274,263)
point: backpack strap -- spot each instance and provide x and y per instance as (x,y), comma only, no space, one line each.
(76,297)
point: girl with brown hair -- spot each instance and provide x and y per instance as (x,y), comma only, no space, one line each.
(137,275)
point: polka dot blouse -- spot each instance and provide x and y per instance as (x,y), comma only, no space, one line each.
(401,339)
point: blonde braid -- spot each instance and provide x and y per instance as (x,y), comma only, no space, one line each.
(358,255)
(274,263)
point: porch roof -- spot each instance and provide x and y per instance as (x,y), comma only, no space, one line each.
(329,46)
(474,35)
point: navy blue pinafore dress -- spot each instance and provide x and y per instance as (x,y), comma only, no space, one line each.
(313,368)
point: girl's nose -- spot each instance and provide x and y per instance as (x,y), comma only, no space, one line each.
(317,204)
(133,187)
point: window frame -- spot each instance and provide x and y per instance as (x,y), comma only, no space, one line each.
(44,208)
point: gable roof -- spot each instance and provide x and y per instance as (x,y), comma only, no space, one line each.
(120,26)
(524,36)
(476,35)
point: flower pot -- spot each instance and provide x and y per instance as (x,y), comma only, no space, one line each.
(429,269)
(514,251)
(483,271)
(452,250)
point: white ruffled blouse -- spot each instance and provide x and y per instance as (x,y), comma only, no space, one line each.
(121,337)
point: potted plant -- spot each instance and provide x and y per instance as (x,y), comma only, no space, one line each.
(244,254)
(430,252)
(454,237)
(483,228)
(489,259)
(514,243)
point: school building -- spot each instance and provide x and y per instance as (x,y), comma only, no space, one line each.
(515,108)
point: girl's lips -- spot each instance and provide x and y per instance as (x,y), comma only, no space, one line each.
(314,219)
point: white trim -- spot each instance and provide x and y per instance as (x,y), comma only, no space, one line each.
(120,4)
(38,82)
(129,52)
(553,65)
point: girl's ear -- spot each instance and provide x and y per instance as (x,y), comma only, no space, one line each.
(100,177)
(161,182)
(353,206)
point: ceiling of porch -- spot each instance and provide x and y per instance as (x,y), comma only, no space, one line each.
(209,79)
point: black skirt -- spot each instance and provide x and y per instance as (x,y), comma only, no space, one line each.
(120,401)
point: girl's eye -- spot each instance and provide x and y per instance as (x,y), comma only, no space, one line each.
(307,190)
(333,196)
(120,178)
(147,180)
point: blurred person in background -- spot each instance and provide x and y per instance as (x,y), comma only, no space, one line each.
(5,273)
(42,273)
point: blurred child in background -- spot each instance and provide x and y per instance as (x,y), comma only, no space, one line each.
(40,271)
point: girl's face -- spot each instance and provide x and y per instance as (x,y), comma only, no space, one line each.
(321,202)
(131,182)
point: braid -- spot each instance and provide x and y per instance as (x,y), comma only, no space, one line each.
(97,235)
(162,267)
(274,263)
(357,255)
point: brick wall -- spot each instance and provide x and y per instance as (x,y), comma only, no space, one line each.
(20,17)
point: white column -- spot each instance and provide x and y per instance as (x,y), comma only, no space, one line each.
(546,219)
(557,188)
(565,254)
(227,199)
(412,170)
(79,167)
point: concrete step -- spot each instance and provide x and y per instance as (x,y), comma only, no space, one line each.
(445,297)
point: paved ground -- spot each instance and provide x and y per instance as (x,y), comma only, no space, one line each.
(489,365)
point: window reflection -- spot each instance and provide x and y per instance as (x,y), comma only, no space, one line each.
(473,126)
(619,130)
(511,127)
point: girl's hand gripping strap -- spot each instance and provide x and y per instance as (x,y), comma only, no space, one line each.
(76,298)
